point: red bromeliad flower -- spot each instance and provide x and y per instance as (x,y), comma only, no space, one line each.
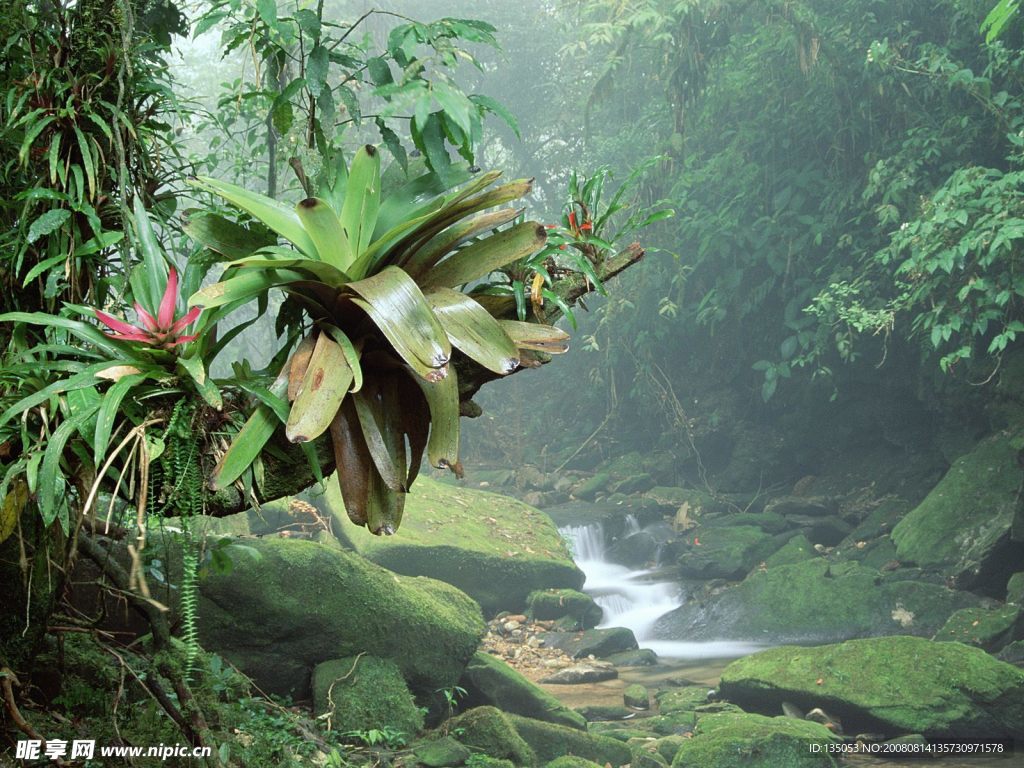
(162,331)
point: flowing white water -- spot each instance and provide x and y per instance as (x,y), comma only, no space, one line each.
(636,598)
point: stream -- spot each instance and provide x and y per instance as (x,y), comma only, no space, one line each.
(636,599)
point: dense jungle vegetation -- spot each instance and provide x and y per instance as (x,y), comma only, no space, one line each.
(250,247)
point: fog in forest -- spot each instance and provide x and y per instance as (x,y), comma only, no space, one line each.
(696,432)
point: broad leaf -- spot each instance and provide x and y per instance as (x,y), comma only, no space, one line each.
(324,227)
(473,330)
(480,259)
(540,338)
(324,385)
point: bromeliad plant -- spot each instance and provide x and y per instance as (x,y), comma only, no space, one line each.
(387,281)
(586,235)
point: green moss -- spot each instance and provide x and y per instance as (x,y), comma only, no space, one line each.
(496,549)
(549,741)
(818,601)
(488,730)
(752,741)
(890,684)
(1015,589)
(724,553)
(685,699)
(636,696)
(967,513)
(555,603)
(441,753)
(984,628)
(359,694)
(592,486)
(301,603)
(489,680)
(796,550)
(672,724)
(570,761)
(596,642)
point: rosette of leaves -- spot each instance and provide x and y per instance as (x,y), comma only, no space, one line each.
(387,281)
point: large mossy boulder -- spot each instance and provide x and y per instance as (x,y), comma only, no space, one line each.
(361,693)
(742,740)
(489,731)
(490,681)
(494,548)
(724,553)
(965,525)
(892,685)
(549,742)
(593,642)
(815,601)
(299,603)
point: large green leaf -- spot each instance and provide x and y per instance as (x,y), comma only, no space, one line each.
(88,333)
(327,380)
(362,200)
(443,243)
(246,284)
(395,304)
(415,198)
(443,401)
(224,237)
(275,215)
(324,227)
(481,258)
(277,257)
(473,330)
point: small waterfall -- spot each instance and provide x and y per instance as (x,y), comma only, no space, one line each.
(634,598)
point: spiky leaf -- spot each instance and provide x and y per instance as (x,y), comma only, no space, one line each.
(473,330)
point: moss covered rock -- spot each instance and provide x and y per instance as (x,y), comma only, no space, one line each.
(724,553)
(636,696)
(549,742)
(816,601)
(1015,589)
(489,731)
(443,752)
(490,681)
(796,550)
(988,628)
(593,642)
(300,603)
(550,604)
(735,740)
(893,685)
(684,699)
(570,761)
(964,525)
(361,693)
(496,549)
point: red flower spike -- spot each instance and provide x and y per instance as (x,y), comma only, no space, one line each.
(572,219)
(587,226)
(161,332)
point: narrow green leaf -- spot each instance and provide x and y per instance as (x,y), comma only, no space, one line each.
(249,442)
(473,330)
(362,200)
(109,411)
(48,472)
(153,267)
(245,285)
(535,336)
(480,259)
(30,136)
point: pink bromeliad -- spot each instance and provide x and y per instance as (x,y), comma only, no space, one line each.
(162,331)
